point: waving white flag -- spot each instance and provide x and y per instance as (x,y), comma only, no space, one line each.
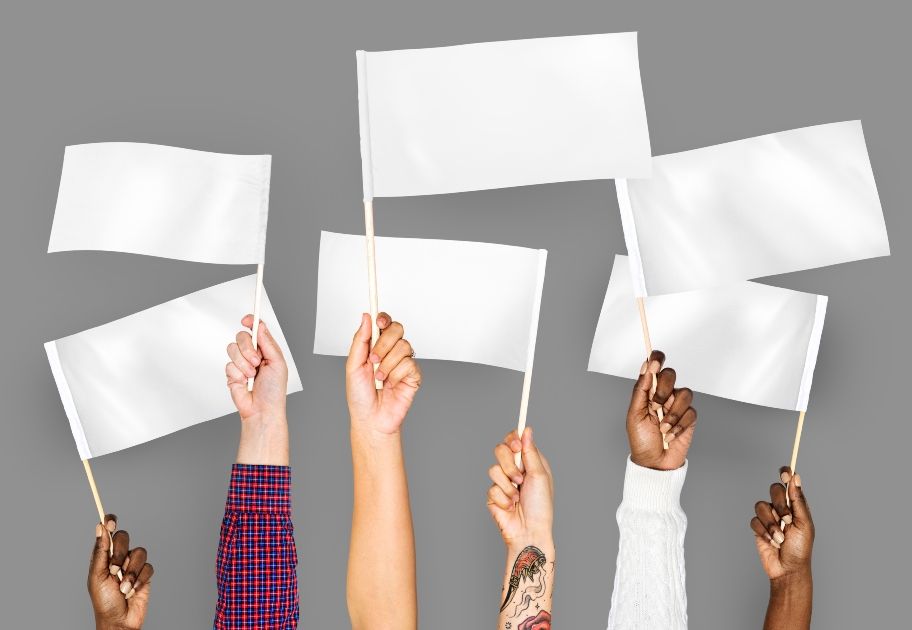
(428,282)
(121,384)
(745,341)
(163,201)
(772,204)
(501,114)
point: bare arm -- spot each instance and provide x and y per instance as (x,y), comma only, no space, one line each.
(381,585)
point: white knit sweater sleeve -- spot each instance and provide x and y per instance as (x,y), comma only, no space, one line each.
(649,580)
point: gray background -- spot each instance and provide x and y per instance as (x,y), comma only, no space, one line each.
(256,78)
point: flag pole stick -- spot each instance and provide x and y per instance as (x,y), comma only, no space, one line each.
(257,300)
(372,276)
(530,353)
(647,341)
(99,507)
(797,444)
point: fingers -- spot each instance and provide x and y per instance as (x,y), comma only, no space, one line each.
(780,505)
(134,564)
(681,401)
(383,320)
(505,453)
(144,577)
(266,343)
(785,474)
(357,355)
(500,479)
(761,532)
(237,383)
(769,520)
(497,497)
(642,389)
(407,370)
(237,357)
(401,349)
(665,385)
(800,511)
(245,344)
(121,548)
(389,336)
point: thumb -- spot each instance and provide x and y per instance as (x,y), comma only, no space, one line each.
(532,459)
(800,510)
(639,401)
(101,554)
(360,348)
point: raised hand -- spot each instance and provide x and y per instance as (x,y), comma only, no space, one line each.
(118,605)
(644,429)
(382,410)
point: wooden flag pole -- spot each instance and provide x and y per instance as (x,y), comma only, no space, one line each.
(99,507)
(372,276)
(257,299)
(530,353)
(647,341)
(797,444)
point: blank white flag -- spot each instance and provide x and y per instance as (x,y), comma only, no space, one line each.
(745,341)
(458,300)
(501,114)
(163,201)
(772,204)
(157,371)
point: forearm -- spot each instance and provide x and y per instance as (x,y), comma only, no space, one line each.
(381,586)
(528,585)
(649,590)
(791,599)
(264,441)
(257,560)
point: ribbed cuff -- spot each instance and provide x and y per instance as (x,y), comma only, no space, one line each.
(259,489)
(653,490)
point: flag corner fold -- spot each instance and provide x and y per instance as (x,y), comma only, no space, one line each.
(66,397)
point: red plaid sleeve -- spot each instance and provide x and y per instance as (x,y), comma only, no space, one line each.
(257,559)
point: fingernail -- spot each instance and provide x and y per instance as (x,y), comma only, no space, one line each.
(516,445)
(517,479)
(380,376)
(779,537)
(669,437)
(131,593)
(775,544)
(112,526)
(664,427)
(125,586)
(113,569)
(787,519)
(784,477)
(374,358)
(797,479)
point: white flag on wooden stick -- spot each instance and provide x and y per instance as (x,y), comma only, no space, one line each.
(163,201)
(745,341)
(773,204)
(121,384)
(426,283)
(501,114)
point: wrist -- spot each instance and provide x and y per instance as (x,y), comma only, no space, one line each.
(264,440)
(794,581)
(544,543)
(364,433)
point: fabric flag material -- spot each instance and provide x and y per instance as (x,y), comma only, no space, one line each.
(745,341)
(163,201)
(773,204)
(157,371)
(430,285)
(501,114)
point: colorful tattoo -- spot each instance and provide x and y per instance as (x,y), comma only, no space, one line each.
(529,562)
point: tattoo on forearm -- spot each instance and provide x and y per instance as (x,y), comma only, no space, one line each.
(528,585)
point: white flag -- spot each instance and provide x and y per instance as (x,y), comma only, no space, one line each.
(745,341)
(163,201)
(501,114)
(460,301)
(157,371)
(758,207)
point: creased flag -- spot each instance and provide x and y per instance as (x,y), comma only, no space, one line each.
(157,371)
(501,114)
(163,201)
(744,341)
(773,204)
(426,283)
